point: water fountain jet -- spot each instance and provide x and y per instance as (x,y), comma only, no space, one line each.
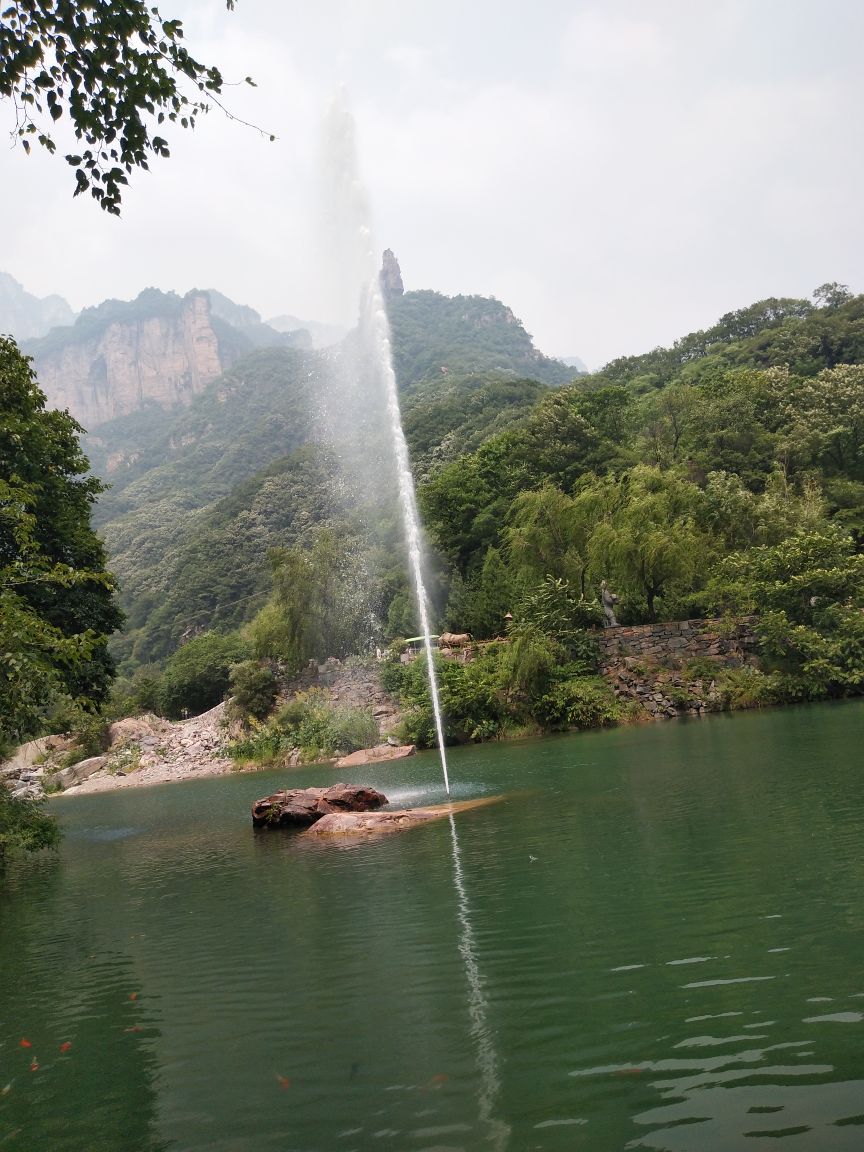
(379,329)
(352,233)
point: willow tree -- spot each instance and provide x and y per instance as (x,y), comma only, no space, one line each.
(649,544)
(317,607)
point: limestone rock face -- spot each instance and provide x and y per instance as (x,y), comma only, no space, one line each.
(165,359)
(391,276)
(300,807)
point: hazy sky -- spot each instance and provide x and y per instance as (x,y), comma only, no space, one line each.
(619,172)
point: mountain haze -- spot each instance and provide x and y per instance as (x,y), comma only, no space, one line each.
(25,316)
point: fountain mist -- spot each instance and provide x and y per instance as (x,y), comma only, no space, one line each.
(351,232)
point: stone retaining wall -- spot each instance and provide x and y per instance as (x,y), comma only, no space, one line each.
(648,665)
(680,639)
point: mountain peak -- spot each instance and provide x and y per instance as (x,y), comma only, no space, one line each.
(391,276)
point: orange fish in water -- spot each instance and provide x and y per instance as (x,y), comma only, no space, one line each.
(24,1042)
(66,1045)
(34,1065)
(438,1080)
(134,1028)
(133,995)
(283,1082)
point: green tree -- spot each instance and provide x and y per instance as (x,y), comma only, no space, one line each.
(479,604)
(832,295)
(116,70)
(198,675)
(823,420)
(318,607)
(809,593)
(57,604)
(649,545)
(548,535)
(799,576)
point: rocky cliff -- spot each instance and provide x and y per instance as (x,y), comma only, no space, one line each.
(160,348)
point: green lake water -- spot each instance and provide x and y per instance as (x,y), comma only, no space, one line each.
(656,941)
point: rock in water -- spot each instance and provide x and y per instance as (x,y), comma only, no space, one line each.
(391,276)
(364,824)
(376,755)
(300,807)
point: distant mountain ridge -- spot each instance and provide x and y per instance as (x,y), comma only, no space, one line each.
(321,335)
(160,348)
(25,316)
(163,348)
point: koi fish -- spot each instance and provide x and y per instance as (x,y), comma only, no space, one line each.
(133,995)
(6,1089)
(25,1043)
(134,1028)
(34,1065)
(66,1045)
(283,1082)
(438,1080)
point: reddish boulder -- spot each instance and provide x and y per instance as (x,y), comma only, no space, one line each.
(300,807)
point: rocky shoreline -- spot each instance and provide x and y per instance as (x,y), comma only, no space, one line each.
(650,668)
(143,750)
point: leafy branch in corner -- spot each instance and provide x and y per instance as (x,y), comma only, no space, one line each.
(117,69)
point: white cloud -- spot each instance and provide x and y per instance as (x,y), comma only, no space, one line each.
(618,173)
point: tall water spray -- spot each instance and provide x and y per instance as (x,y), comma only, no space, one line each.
(378,327)
(351,247)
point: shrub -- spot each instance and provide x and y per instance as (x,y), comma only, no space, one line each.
(829,655)
(24,825)
(197,676)
(88,730)
(583,702)
(418,727)
(702,668)
(679,695)
(392,673)
(253,689)
(747,687)
(311,723)
(263,745)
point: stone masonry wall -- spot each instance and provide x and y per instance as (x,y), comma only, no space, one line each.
(652,664)
(680,638)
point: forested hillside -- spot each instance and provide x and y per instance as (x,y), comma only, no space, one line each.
(200,495)
(722,475)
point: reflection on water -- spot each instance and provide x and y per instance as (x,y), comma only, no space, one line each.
(659,946)
(487,1057)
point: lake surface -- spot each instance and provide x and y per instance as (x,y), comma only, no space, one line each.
(656,941)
